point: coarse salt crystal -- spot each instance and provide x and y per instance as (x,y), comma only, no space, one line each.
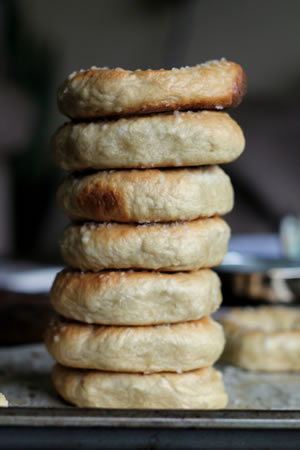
(72,75)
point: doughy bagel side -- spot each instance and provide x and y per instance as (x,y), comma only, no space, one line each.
(115,92)
(146,195)
(159,140)
(174,246)
(199,389)
(136,298)
(263,339)
(179,347)
(3,401)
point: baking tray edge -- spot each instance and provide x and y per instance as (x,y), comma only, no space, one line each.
(81,417)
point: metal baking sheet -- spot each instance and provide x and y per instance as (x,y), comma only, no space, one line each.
(256,399)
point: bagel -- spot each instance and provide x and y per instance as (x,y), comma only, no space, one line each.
(263,338)
(3,401)
(146,195)
(94,93)
(158,140)
(135,298)
(161,348)
(174,246)
(199,389)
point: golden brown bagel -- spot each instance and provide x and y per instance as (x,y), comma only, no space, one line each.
(174,246)
(146,195)
(97,92)
(161,348)
(135,298)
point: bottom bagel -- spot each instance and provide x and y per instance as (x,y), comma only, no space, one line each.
(263,338)
(199,389)
(161,348)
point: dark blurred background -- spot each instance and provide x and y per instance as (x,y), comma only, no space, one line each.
(43,41)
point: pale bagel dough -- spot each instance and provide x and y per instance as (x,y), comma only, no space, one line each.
(161,348)
(115,92)
(198,389)
(146,195)
(158,140)
(263,338)
(168,247)
(136,298)
(3,401)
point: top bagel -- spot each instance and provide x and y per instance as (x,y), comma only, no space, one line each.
(96,93)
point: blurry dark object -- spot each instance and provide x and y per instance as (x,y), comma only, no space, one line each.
(29,65)
(23,317)
(266,176)
(24,303)
(263,283)
(257,271)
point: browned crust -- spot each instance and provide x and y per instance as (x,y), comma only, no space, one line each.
(105,199)
(68,103)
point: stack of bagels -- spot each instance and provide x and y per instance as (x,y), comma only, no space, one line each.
(145,196)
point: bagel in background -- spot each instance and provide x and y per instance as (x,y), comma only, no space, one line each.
(263,338)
